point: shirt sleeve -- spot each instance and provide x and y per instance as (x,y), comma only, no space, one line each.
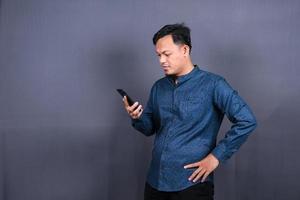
(239,113)
(145,124)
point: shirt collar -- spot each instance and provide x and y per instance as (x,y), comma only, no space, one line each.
(183,78)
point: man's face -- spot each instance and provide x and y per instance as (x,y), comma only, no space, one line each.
(172,57)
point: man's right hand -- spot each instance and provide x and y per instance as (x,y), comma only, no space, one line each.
(135,111)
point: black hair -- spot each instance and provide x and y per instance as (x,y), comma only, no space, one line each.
(180,34)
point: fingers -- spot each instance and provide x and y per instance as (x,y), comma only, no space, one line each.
(200,174)
(195,176)
(191,165)
(132,108)
(196,172)
(126,104)
(205,176)
(204,168)
(140,112)
(135,111)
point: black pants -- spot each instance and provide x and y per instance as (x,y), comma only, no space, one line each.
(200,191)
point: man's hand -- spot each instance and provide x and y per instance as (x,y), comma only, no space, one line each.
(204,168)
(134,111)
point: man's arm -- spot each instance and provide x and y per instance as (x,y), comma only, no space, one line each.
(238,112)
(142,120)
(241,116)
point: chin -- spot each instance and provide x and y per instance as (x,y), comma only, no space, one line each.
(168,73)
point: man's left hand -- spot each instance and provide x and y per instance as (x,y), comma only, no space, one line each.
(204,168)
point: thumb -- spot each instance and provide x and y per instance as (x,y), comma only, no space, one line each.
(125,101)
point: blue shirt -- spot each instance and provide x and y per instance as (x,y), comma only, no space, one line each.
(185,118)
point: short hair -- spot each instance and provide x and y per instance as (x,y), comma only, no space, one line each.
(180,34)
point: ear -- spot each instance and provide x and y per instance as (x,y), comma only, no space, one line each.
(186,50)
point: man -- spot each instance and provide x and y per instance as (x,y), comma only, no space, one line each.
(185,110)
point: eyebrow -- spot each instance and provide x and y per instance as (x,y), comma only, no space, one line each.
(163,52)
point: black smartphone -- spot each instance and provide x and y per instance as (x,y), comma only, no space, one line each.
(123,93)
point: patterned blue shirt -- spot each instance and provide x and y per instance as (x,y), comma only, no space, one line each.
(185,118)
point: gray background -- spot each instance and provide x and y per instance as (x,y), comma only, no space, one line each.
(64,133)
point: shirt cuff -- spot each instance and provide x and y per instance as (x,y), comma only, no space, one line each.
(220,153)
(136,122)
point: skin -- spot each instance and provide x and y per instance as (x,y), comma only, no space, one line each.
(176,61)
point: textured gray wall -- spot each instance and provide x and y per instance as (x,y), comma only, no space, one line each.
(63,131)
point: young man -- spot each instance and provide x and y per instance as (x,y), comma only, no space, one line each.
(185,110)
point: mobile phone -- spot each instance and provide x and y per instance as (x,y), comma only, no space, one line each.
(123,93)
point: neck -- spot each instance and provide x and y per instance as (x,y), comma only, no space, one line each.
(188,67)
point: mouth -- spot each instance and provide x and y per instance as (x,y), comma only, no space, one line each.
(166,69)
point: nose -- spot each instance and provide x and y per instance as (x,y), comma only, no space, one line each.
(162,59)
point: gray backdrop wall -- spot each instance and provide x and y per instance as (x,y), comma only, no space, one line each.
(64,133)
